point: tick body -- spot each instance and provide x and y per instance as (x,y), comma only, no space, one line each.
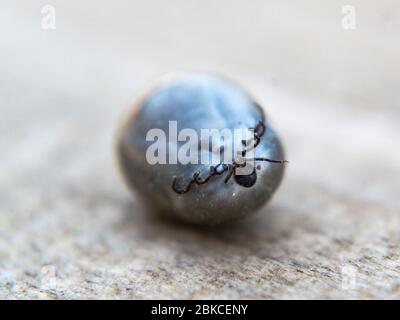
(201,193)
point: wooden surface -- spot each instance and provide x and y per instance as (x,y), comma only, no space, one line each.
(69,228)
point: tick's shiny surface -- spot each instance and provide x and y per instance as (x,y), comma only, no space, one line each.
(199,101)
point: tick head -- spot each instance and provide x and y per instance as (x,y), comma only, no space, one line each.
(248,180)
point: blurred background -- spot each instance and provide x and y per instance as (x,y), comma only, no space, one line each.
(327,74)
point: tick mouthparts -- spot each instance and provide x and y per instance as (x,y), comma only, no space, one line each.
(239,159)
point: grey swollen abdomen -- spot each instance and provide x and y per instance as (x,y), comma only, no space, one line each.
(169,157)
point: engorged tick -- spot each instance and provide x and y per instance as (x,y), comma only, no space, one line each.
(200,193)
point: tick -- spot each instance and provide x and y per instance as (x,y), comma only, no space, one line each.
(167,160)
